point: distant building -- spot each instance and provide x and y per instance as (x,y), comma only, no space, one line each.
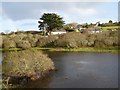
(58,32)
(94,30)
(81,28)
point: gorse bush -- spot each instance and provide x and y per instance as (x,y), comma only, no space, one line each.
(27,63)
(75,40)
(1,41)
(9,43)
(72,40)
(21,40)
(91,40)
(68,40)
(46,41)
(24,44)
(106,39)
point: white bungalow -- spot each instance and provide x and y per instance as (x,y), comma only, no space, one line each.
(57,32)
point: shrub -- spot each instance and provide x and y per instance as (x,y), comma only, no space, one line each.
(115,41)
(24,44)
(9,43)
(1,42)
(65,40)
(91,40)
(99,44)
(46,41)
(17,37)
(27,63)
(33,42)
(105,39)
(109,41)
(71,40)
(31,39)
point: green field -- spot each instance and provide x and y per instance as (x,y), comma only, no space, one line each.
(108,27)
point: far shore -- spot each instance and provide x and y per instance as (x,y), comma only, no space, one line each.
(83,49)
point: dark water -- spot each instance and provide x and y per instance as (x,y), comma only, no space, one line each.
(81,70)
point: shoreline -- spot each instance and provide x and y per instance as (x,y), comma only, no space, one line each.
(83,49)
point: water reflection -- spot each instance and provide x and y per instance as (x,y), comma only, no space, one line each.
(41,83)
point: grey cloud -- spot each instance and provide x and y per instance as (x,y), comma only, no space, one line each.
(26,10)
(32,10)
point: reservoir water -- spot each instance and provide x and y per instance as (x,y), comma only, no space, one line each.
(81,70)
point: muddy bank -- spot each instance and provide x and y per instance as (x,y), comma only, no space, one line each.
(25,65)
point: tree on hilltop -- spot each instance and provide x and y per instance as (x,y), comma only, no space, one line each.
(50,21)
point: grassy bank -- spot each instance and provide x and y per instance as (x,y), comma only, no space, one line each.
(10,49)
(84,49)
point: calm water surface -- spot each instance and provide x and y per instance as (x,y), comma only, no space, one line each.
(81,70)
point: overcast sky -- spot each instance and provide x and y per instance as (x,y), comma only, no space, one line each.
(25,15)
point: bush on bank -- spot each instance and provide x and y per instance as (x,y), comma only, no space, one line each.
(9,43)
(69,40)
(99,40)
(46,41)
(32,64)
